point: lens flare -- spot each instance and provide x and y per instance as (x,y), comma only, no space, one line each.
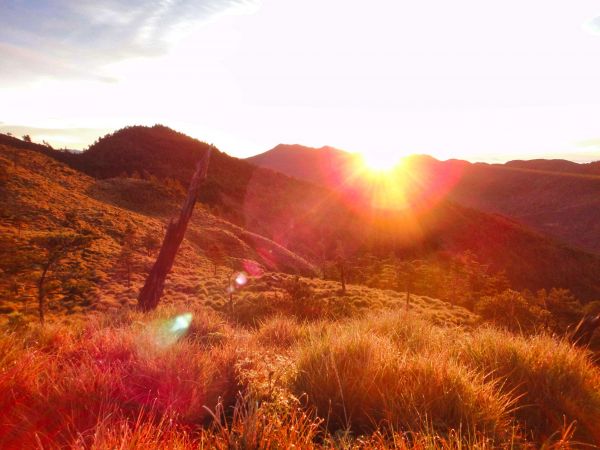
(241,279)
(592,26)
(181,323)
(168,332)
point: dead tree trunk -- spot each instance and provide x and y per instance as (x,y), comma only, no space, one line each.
(153,287)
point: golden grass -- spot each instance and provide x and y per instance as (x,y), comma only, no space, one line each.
(38,196)
(364,382)
(66,379)
(387,380)
(552,381)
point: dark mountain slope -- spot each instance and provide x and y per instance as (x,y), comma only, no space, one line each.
(557,197)
(558,165)
(563,205)
(316,165)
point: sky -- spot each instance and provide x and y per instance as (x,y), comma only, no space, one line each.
(469,79)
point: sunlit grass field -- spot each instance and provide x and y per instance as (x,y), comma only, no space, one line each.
(188,377)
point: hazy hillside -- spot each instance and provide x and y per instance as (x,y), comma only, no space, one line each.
(558,165)
(565,205)
(558,197)
(316,165)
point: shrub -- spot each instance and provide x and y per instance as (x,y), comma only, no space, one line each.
(251,309)
(512,310)
(301,301)
(565,309)
(280,332)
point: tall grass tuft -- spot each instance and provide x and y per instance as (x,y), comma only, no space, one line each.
(362,383)
(552,381)
(280,332)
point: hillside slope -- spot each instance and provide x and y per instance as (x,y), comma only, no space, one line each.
(321,165)
(565,205)
(557,165)
(41,196)
(314,222)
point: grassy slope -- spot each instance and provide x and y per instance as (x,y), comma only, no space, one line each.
(38,192)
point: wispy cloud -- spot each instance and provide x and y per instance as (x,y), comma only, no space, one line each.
(66,39)
(592,26)
(17,62)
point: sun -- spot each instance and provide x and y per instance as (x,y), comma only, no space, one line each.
(379,177)
(380,161)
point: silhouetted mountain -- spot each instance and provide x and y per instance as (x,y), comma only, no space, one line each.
(306,163)
(558,197)
(558,165)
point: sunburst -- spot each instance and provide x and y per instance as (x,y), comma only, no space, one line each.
(380,161)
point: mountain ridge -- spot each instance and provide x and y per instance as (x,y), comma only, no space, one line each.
(557,197)
(311,221)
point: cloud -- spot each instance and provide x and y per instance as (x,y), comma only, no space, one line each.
(592,26)
(66,39)
(17,62)
(593,143)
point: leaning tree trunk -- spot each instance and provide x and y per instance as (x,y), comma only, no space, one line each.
(153,287)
